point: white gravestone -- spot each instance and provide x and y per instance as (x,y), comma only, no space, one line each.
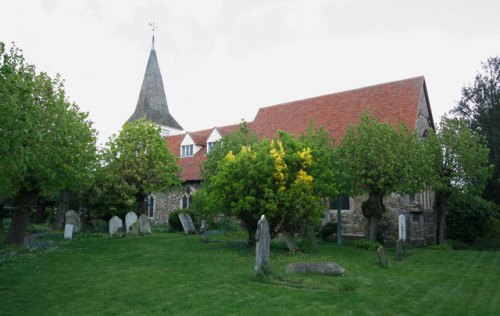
(262,247)
(402,227)
(130,221)
(144,224)
(115,223)
(187,223)
(71,217)
(68,231)
(204,231)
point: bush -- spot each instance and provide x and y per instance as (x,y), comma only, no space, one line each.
(327,230)
(100,226)
(175,222)
(365,244)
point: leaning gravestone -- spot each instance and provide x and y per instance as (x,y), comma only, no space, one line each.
(262,251)
(328,268)
(382,259)
(187,223)
(72,218)
(131,223)
(115,223)
(204,231)
(144,224)
(68,231)
(402,227)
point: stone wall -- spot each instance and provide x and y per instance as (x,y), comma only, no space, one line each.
(167,202)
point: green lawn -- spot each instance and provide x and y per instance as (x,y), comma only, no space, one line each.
(178,275)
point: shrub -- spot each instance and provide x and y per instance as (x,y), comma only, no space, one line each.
(327,230)
(365,244)
(100,226)
(175,222)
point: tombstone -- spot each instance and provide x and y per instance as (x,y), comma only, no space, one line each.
(68,231)
(204,231)
(262,251)
(131,223)
(187,223)
(328,268)
(402,227)
(71,217)
(115,223)
(144,224)
(382,259)
(399,249)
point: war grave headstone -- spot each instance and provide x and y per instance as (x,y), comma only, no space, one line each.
(71,217)
(68,231)
(131,223)
(187,223)
(402,227)
(382,259)
(144,224)
(262,246)
(115,223)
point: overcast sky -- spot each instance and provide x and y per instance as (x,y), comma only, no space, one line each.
(222,60)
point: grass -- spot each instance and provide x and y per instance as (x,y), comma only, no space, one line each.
(174,274)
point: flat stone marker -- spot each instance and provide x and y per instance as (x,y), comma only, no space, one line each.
(115,223)
(262,247)
(68,231)
(402,227)
(131,223)
(144,225)
(328,268)
(382,259)
(71,217)
(187,223)
(204,231)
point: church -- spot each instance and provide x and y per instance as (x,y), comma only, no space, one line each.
(403,100)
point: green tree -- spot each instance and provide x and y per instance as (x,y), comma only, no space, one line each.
(138,162)
(480,106)
(377,159)
(461,166)
(46,143)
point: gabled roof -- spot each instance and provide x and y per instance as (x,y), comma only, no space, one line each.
(391,102)
(152,101)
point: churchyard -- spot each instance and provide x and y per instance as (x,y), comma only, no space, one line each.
(178,274)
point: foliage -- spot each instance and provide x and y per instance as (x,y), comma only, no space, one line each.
(134,163)
(480,106)
(328,229)
(365,244)
(377,159)
(175,222)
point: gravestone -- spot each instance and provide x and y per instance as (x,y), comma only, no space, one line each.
(204,231)
(144,224)
(187,223)
(262,251)
(131,223)
(71,217)
(399,249)
(402,227)
(68,231)
(328,268)
(115,223)
(382,259)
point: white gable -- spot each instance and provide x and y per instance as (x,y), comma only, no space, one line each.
(214,136)
(187,140)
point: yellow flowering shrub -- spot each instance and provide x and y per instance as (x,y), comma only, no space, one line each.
(279,164)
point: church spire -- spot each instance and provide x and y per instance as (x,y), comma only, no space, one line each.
(152,101)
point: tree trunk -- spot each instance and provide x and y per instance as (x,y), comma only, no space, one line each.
(20,217)
(61,209)
(141,197)
(40,210)
(372,209)
(372,228)
(441,209)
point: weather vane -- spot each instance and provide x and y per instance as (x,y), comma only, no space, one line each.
(154,27)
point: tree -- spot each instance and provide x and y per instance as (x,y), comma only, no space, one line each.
(461,166)
(377,159)
(138,162)
(480,106)
(46,143)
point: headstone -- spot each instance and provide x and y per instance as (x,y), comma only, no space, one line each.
(382,259)
(68,231)
(144,224)
(402,227)
(399,249)
(262,251)
(72,218)
(328,268)
(115,223)
(204,231)
(131,223)
(290,242)
(187,223)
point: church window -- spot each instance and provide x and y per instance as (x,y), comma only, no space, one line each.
(187,198)
(345,203)
(150,205)
(187,151)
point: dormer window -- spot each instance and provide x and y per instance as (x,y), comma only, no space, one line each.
(210,146)
(187,151)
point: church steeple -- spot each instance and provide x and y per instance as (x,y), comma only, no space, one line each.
(152,101)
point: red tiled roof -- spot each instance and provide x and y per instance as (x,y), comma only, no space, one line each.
(390,102)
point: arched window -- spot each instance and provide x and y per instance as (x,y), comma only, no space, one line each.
(187,197)
(150,206)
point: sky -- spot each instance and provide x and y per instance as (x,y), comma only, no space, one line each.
(222,60)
